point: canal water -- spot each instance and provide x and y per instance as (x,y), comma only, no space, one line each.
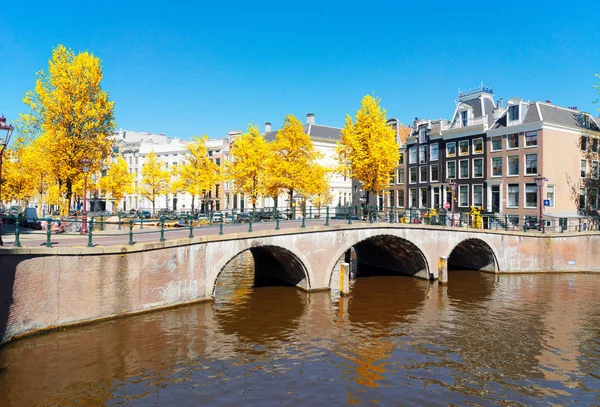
(510,340)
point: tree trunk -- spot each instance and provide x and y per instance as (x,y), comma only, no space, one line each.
(193,198)
(291,192)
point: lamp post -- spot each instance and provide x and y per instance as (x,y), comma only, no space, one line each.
(85,168)
(8,128)
(539,180)
(452,185)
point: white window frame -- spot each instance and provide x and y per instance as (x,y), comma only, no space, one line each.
(452,143)
(583,160)
(422,135)
(455,173)
(430,172)
(508,147)
(458,169)
(422,204)
(462,204)
(423,151)
(473,145)
(595,169)
(468,147)
(508,205)
(398,176)
(421,181)
(473,168)
(410,156)
(492,143)
(410,181)
(492,166)
(473,195)
(512,108)
(525,170)
(591,195)
(529,133)
(525,185)
(508,174)
(431,150)
(553,194)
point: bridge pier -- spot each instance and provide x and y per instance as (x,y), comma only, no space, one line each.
(443,270)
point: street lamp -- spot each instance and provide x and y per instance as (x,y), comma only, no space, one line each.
(85,168)
(453,185)
(8,128)
(539,180)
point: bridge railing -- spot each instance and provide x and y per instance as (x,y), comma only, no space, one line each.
(110,231)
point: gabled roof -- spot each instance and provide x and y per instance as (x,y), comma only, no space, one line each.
(313,131)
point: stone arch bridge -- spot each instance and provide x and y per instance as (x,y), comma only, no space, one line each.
(44,288)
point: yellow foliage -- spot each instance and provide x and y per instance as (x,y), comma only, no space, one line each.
(320,194)
(118,181)
(71,115)
(292,161)
(368,148)
(198,174)
(155,179)
(250,159)
(476,219)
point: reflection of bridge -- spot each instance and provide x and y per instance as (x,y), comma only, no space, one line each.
(42,288)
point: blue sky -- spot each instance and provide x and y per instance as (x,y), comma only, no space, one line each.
(196,69)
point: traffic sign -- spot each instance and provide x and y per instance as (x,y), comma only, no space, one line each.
(546,202)
(447,205)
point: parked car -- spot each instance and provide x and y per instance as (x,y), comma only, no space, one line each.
(244,217)
(144,214)
(29,218)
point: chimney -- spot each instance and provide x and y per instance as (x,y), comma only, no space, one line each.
(310,118)
(267,127)
(548,101)
(499,103)
(415,122)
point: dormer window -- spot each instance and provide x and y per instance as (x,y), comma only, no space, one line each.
(513,112)
(422,136)
(586,121)
(464,118)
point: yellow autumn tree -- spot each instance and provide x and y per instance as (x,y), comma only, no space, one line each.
(248,170)
(368,150)
(18,183)
(198,174)
(118,181)
(155,179)
(71,115)
(320,195)
(291,162)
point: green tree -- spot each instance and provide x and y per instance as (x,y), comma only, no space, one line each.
(368,149)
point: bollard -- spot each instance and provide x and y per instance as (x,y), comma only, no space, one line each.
(17,242)
(141,223)
(310,212)
(221,228)
(250,226)
(191,235)
(48,231)
(101,222)
(303,217)
(391,215)
(131,232)
(443,270)
(506,222)
(327,216)
(119,225)
(349,215)
(162,228)
(276,219)
(371,214)
(90,229)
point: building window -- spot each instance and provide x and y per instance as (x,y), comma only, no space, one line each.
(595,170)
(451,169)
(412,175)
(412,155)
(423,198)
(496,143)
(531,194)
(463,147)
(594,199)
(550,194)
(434,175)
(513,112)
(218,162)
(584,143)
(400,177)
(513,141)
(513,195)
(412,198)
(582,198)
(401,198)
(478,146)
(531,139)
(513,165)
(463,195)
(422,136)
(401,159)
(477,167)
(464,118)
(423,174)
(451,149)
(478,195)
(463,169)
(434,152)
(583,168)
(595,145)
(531,164)
(496,166)
(422,154)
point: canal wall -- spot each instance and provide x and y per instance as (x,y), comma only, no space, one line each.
(47,288)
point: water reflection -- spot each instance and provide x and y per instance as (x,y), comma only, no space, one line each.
(481,340)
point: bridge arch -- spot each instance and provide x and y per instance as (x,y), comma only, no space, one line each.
(271,263)
(473,254)
(385,250)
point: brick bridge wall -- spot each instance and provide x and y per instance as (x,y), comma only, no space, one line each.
(45,288)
